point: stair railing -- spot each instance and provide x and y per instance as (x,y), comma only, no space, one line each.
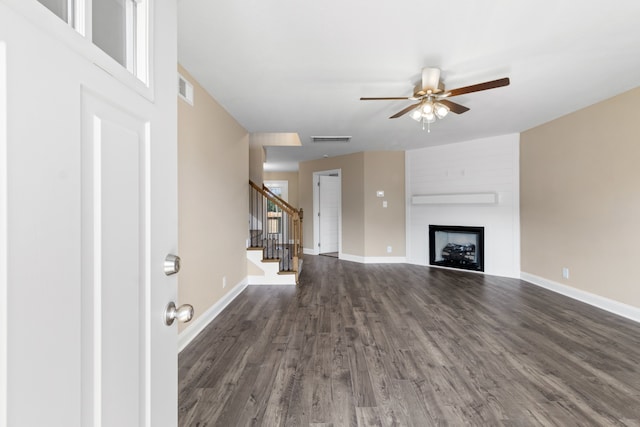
(276,226)
(297,220)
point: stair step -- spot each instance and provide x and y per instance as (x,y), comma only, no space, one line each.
(286,272)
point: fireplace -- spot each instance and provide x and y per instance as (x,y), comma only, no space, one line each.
(456,246)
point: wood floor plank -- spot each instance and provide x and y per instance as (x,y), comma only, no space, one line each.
(278,404)
(368,345)
(262,387)
(368,417)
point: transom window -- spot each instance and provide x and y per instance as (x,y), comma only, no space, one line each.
(118,27)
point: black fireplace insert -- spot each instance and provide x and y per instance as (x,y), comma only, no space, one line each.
(456,246)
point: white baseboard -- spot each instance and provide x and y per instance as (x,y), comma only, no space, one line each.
(258,283)
(612,306)
(187,335)
(373,260)
(385,260)
(362,259)
(273,279)
(352,258)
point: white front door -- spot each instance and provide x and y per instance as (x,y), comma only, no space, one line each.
(329,213)
(88,193)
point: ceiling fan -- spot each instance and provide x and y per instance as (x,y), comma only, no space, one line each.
(432,98)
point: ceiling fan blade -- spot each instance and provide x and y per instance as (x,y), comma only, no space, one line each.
(453,107)
(405,111)
(384,99)
(478,87)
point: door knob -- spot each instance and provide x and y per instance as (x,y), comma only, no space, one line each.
(183,314)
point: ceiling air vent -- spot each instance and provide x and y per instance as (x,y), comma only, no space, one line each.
(185,89)
(330,138)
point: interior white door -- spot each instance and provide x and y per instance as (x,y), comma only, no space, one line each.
(329,198)
(88,200)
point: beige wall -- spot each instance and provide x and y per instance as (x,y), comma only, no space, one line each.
(580,198)
(384,170)
(256,163)
(367,228)
(292,179)
(213,169)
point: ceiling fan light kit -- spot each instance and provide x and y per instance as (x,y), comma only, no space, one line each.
(428,111)
(433,101)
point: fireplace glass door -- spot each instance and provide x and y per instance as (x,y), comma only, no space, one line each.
(456,247)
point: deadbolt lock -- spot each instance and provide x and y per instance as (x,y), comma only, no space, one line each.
(171,264)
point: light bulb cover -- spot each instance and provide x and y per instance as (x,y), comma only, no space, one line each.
(427,108)
(416,115)
(441,110)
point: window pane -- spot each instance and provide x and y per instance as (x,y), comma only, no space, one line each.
(276,190)
(109,28)
(59,7)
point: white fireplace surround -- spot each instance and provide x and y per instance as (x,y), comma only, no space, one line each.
(475,183)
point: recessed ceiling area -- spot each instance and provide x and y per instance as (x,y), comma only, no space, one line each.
(301,67)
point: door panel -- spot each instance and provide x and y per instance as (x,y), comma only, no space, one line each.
(113,174)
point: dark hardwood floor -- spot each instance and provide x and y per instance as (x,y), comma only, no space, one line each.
(386,345)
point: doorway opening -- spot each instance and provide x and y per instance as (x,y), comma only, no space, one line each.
(327,212)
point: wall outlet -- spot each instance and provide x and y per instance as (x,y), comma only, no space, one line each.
(565,272)
(224,282)
(389,249)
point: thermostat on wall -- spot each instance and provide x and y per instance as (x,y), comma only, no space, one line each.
(380,193)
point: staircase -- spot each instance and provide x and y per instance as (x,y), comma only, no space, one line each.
(274,253)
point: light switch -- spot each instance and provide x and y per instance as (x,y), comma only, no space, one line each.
(384,203)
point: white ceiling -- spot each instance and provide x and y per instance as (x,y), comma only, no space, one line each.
(301,65)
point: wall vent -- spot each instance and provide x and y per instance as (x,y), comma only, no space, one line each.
(185,89)
(330,138)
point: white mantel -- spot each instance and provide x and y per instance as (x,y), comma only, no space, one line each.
(455,199)
(473,183)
